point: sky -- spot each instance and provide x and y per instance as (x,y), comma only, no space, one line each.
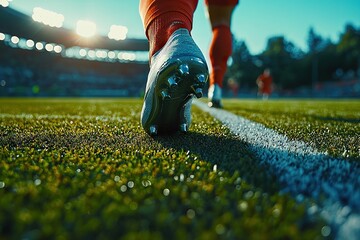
(254,21)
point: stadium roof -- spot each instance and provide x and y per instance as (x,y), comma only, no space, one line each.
(16,23)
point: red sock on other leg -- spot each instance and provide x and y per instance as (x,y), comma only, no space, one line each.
(220,51)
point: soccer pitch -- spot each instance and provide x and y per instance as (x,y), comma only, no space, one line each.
(84,168)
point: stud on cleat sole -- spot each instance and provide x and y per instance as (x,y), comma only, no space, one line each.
(183,127)
(197,91)
(201,78)
(165,95)
(172,83)
(153,130)
(184,69)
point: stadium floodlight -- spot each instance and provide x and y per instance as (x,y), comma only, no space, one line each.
(70,52)
(129,56)
(117,32)
(58,49)
(4,3)
(30,43)
(82,52)
(91,54)
(85,28)
(111,55)
(15,39)
(49,47)
(2,36)
(39,46)
(101,54)
(47,17)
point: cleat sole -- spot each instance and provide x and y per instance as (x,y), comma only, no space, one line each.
(171,94)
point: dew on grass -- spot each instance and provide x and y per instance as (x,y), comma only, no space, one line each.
(117,178)
(123,188)
(146,183)
(325,231)
(131,184)
(243,206)
(166,192)
(182,177)
(300,198)
(220,229)
(276,212)
(37,182)
(313,210)
(190,213)
(249,194)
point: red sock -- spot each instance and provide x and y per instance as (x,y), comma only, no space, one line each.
(162,27)
(163,17)
(220,51)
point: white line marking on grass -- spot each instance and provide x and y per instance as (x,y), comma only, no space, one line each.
(57,116)
(303,171)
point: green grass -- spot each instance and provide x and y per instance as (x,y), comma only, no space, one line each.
(332,126)
(84,168)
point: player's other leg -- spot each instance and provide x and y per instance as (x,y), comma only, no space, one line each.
(220,12)
(178,70)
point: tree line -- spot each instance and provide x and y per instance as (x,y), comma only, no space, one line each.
(291,67)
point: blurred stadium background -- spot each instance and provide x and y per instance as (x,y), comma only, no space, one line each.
(39,57)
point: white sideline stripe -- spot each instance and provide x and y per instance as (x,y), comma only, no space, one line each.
(303,171)
(57,116)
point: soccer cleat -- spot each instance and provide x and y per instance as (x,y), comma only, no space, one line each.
(178,72)
(214,95)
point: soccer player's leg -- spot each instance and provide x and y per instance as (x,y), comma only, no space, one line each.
(220,13)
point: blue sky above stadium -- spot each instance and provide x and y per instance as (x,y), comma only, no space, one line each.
(254,20)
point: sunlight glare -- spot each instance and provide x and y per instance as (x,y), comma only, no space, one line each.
(85,28)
